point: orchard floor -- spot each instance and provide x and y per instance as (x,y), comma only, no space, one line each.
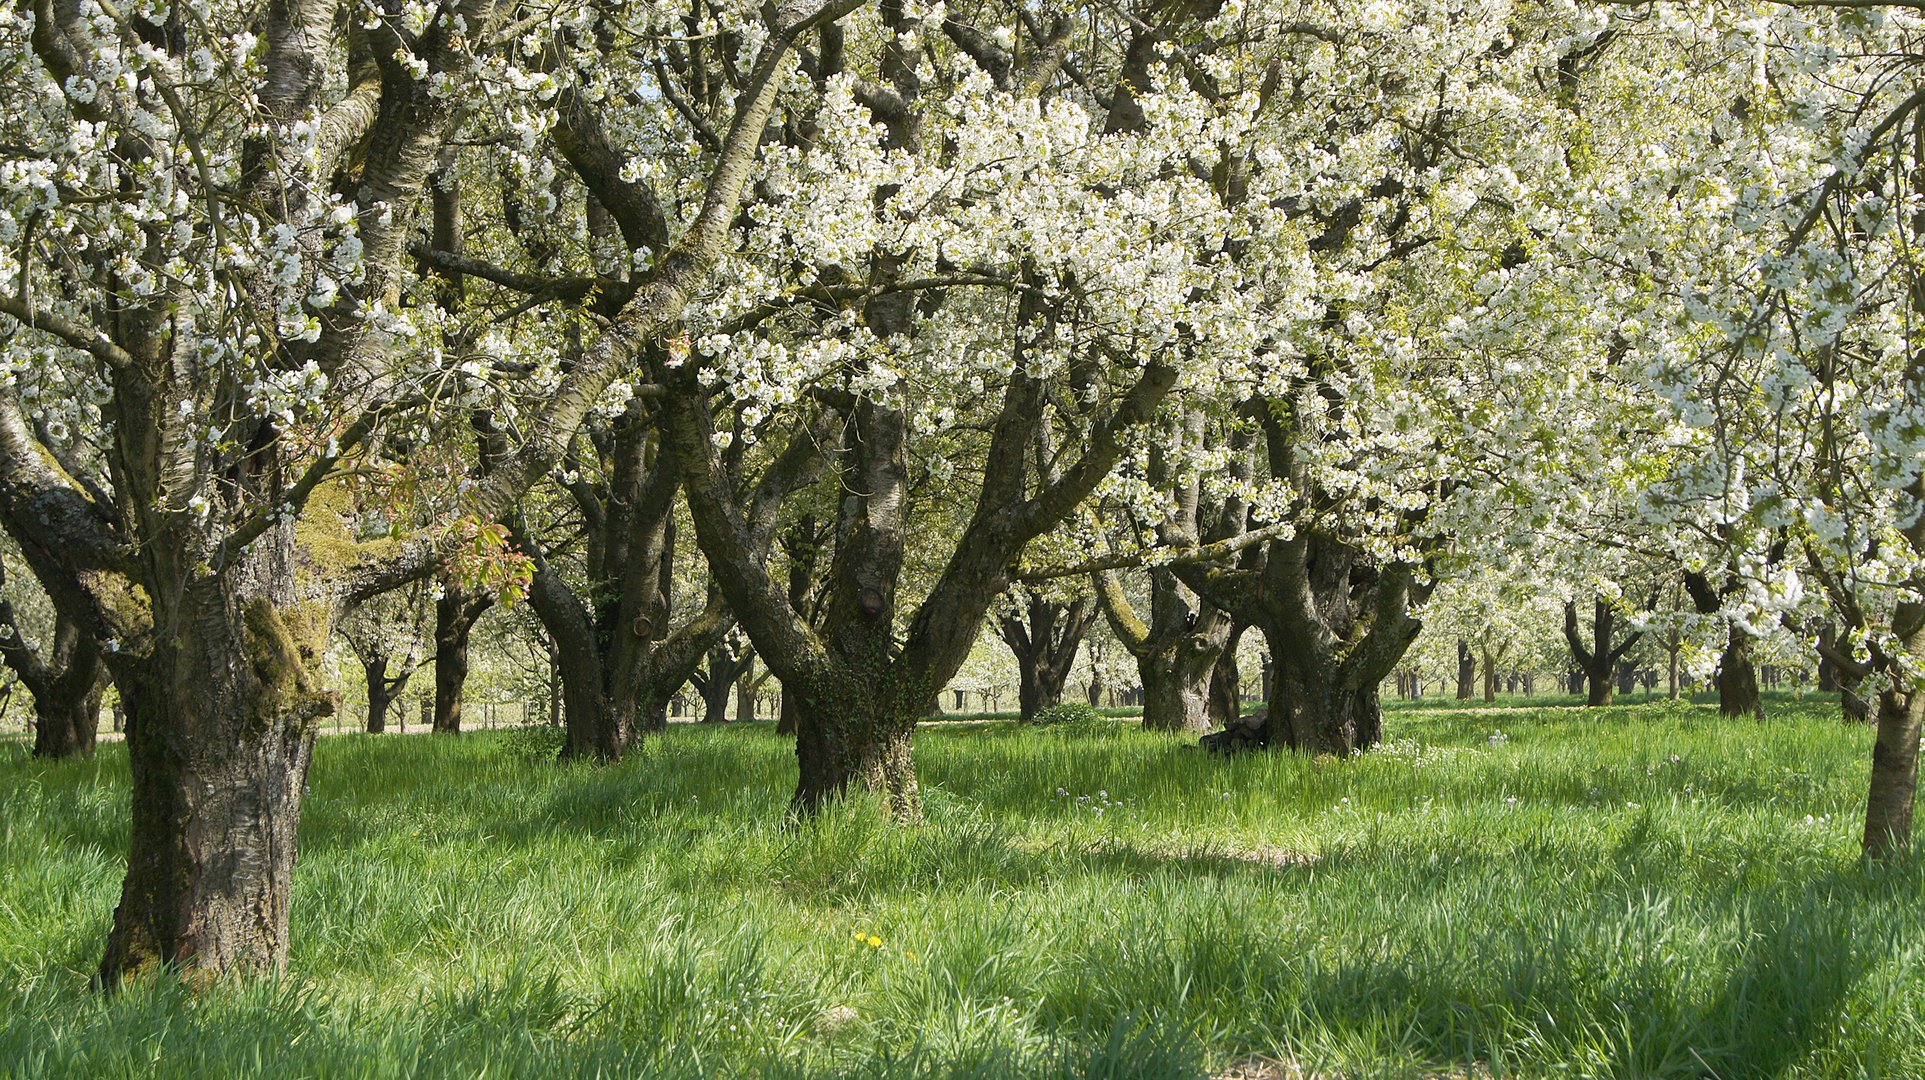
(1645,891)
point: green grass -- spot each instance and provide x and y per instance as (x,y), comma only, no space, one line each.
(1668,895)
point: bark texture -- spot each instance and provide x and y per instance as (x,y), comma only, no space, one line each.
(220,734)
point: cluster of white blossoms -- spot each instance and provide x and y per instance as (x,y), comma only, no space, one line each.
(1500,270)
(1759,262)
(1146,254)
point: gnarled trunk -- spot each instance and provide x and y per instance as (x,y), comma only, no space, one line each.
(715,700)
(66,683)
(1597,662)
(66,725)
(850,737)
(1341,626)
(66,694)
(1176,650)
(1176,689)
(1044,640)
(728,661)
(1737,679)
(599,722)
(1038,687)
(1325,712)
(613,690)
(1466,671)
(220,732)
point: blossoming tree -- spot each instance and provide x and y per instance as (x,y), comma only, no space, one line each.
(207,215)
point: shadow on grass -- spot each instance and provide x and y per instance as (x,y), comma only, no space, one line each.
(1442,948)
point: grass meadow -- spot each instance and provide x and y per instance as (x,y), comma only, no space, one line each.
(1642,891)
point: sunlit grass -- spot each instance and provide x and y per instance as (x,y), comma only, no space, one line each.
(1642,891)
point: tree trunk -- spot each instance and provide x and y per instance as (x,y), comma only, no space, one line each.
(214,822)
(65,725)
(1226,683)
(220,733)
(599,724)
(381,694)
(746,688)
(1737,679)
(1037,687)
(1852,706)
(786,723)
(1490,679)
(715,700)
(1044,640)
(1176,687)
(1176,651)
(1894,780)
(1331,713)
(850,738)
(1336,623)
(455,614)
(1827,671)
(66,684)
(1598,661)
(1466,671)
(728,665)
(1601,690)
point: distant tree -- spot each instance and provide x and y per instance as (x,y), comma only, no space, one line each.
(64,676)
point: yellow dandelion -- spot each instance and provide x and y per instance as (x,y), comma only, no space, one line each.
(875,942)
